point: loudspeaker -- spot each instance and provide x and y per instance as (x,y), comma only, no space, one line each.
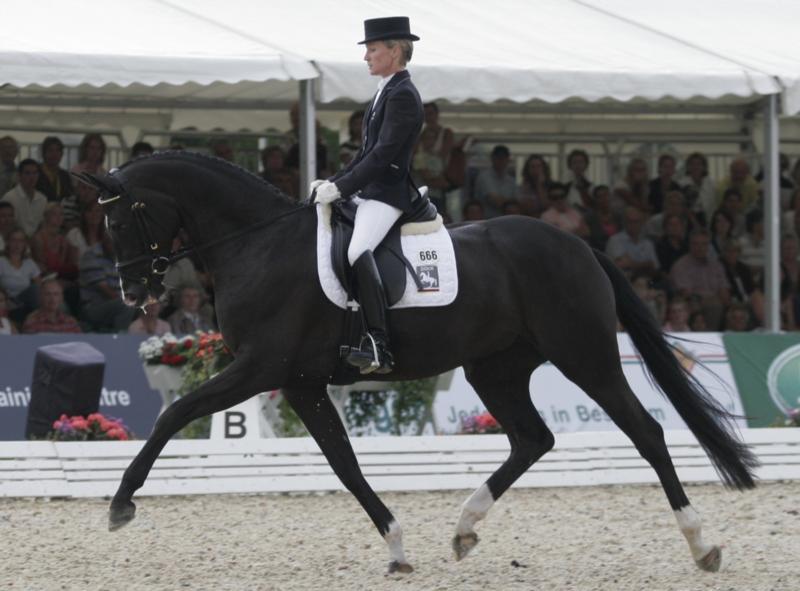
(67,379)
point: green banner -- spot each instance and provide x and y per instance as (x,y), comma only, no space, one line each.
(766,368)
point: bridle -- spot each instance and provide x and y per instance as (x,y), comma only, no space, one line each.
(160,263)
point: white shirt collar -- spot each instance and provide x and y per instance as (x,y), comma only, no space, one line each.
(384,81)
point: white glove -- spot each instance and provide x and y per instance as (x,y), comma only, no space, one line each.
(314,185)
(327,192)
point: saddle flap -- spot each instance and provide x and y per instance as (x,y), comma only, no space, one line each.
(388,255)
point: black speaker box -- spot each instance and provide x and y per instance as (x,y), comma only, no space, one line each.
(67,379)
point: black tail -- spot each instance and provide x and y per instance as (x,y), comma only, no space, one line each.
(706,418)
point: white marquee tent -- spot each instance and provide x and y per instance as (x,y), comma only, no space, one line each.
(241,52)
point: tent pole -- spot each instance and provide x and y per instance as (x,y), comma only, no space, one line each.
(307,139)
(772,216)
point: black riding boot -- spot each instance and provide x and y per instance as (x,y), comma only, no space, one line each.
(372,300)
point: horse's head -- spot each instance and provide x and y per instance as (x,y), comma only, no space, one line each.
(142,224)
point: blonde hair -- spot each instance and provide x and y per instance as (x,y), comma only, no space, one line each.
(406,49)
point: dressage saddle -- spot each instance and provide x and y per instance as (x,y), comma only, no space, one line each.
(392,264)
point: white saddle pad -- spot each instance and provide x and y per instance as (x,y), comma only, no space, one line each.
(427,246)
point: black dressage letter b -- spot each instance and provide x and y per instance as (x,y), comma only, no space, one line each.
(234,425)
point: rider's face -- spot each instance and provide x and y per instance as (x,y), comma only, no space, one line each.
(381,60)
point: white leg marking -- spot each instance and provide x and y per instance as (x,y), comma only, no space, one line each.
(689,524)
(474,509)
(394,539)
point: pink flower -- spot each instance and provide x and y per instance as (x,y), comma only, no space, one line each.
(117,433)
(79,423)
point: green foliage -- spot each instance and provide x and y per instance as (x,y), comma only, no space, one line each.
(413,405)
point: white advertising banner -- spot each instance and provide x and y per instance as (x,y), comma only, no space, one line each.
(564,407)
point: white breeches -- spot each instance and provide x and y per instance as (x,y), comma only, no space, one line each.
(374,219)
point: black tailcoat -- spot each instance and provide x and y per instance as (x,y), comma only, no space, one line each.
(381,169)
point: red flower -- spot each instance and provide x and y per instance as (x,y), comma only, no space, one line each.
(79,423)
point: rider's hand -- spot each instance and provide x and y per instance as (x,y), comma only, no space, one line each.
(327,192)
(314,185)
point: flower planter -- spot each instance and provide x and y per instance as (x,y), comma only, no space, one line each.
(166,379)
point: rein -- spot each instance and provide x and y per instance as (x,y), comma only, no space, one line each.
(160,264)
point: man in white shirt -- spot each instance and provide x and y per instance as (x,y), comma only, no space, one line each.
(28,203)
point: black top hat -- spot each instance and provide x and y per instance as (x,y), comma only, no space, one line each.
(391,27)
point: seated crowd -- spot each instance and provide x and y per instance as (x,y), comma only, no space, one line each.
(693,248)
(57,272)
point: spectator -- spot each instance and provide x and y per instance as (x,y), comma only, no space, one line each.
(6,326)
(696,276)
(495,186)
(633,190)
(89,232)
(91,154)
(674,243)
(183,273)
(275,171)
(786,183)
(19,276)
(698,187)
(532,192)
(561,214)
(697,322)
(101,295)
(741,180)
(630,249)
(221,148)
(50,250)
(349,149)
(654,299)
(74,206)
(674,204)
(752,243)
(579,188)
(54,182)
(512,207)
(49,316)
(443,136)
(740,280)
(721,229)
(189,317)
(602,222)
(148,321)
(737,318)
(141,149)
(8,168)
(789,263)
(732,205)
(790,220)
(473,211)
(677,316)
(663,183)
(428,169)
(7,223)
(28,203)
(292,145)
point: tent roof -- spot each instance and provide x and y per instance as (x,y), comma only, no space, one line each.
(242,53)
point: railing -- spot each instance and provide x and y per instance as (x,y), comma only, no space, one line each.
(93,469)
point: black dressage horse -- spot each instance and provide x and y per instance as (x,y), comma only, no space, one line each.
(528,293)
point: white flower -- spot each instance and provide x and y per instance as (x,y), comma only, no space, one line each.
(153,347)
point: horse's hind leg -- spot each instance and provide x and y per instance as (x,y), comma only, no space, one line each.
(502,382)
(234,385)
(313,406)
(599,374)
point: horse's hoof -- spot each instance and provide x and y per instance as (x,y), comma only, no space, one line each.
(462,544)
(400,567)
(711,561)
(120,514)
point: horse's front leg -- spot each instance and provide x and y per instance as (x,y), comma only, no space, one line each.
(234,385)
(312,405)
